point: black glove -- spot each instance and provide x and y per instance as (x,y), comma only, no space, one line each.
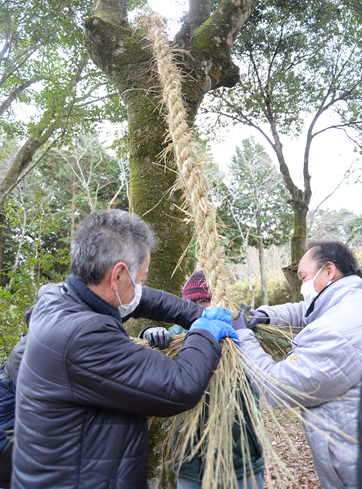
(157,336)
(249,319)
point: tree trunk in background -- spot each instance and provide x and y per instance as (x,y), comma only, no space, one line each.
(298,248)
(299,200)
(264,292)
(74,193)
(2,231)
(248,267)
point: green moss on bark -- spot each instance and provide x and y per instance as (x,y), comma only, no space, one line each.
(120,53)
(212,44)
(163,477)
(298,248)
(118,50)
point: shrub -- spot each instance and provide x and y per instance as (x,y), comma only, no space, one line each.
(277,287)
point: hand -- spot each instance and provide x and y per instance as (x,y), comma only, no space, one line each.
(157,336)
(249,318)
(218,313)
(218,329)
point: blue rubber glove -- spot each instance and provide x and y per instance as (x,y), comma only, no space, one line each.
(218,313)
(249,319)
(218,329)
(157,336)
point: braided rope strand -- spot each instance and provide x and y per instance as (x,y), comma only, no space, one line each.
(190,167)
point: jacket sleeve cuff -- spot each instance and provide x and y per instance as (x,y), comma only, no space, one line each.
(266,315)
(140,336)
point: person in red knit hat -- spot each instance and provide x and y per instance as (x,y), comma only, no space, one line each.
(248,472)
(197,291)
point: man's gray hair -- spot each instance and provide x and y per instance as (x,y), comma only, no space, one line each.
(105,238)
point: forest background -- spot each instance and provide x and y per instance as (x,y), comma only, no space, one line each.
(74,137)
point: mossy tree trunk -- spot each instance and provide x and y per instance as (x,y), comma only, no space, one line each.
(299,200)
(125,57)
(298,247)
(264,291)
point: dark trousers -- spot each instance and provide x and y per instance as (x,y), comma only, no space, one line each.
(6,462)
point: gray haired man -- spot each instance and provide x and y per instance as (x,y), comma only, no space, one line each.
(84,388)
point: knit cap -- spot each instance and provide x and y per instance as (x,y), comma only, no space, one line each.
(196,288)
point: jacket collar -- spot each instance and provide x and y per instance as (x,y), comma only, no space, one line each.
(311,307)
(331,293)
(92,300)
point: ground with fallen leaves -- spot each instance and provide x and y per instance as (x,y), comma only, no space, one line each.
(298,459)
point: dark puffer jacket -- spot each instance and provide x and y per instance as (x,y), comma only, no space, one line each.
(84,389)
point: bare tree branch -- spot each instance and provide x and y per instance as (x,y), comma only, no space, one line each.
(6,104)
(26,53)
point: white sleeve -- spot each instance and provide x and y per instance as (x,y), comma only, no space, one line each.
(322,366)
(289,314)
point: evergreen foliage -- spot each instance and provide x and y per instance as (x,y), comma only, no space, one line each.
(40,217)
(256,203)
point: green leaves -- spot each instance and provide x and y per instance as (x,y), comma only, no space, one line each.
(40,217)
(48,86)
(297,58)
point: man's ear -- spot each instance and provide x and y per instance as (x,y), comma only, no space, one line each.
(116,274)
(331,270)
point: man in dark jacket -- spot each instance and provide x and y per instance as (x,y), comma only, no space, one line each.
(84,388)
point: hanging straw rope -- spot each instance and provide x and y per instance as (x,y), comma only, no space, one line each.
(190,166)
(189,433)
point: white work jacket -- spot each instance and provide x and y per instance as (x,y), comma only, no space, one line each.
(325,364)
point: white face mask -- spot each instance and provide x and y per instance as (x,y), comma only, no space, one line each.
(126,309)
(308,291)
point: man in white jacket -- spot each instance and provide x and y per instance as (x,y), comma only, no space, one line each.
(325,363)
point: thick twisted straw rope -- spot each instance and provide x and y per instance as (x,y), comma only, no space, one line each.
(190,166)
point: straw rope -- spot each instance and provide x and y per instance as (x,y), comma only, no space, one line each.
(188,436)
(191,176)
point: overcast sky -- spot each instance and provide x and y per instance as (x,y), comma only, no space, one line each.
(331,152)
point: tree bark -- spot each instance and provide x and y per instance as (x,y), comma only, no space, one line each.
(298,247)
(6,104)
(125,57)
(300,200)
(46,128)
(23,159)
(264,292)
(199,12)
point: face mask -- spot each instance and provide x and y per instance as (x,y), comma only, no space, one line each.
(308,291)
(126,309)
